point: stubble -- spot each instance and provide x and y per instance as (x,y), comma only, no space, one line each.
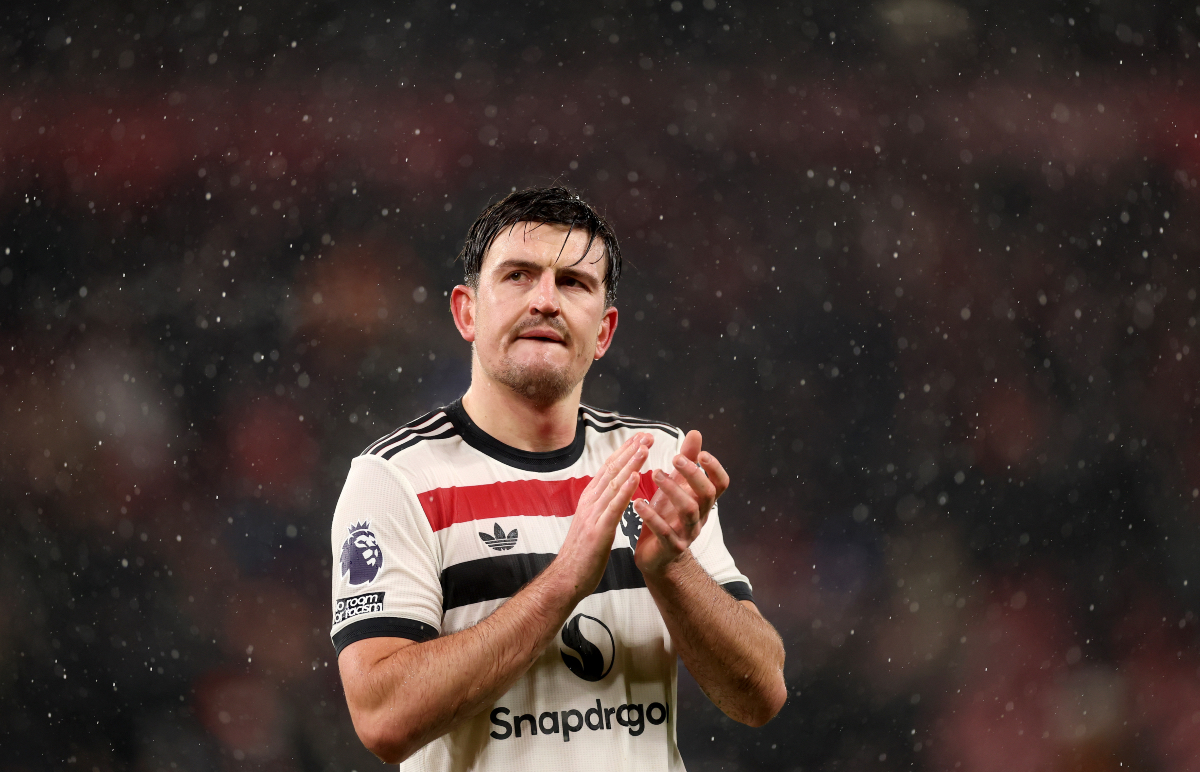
(541,382)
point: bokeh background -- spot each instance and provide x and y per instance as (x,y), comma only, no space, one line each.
(924,273)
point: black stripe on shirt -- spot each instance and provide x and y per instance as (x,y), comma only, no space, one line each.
(476,581)
(448,431)
(601,429)
(375,445)
(495,578)
(620,574)
(421,425)
(383,627)
(437,427)
(624,421)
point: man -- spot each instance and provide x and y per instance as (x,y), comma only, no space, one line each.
(514,575)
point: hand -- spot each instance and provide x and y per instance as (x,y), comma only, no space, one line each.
(585,551)
(680,507)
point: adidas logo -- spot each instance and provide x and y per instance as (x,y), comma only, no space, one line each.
(500,541)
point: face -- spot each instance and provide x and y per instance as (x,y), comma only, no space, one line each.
(366,545)
(537,319)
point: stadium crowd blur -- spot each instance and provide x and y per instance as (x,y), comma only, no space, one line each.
(924,274)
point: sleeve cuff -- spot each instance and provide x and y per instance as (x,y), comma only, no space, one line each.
(383,627)
(739,591)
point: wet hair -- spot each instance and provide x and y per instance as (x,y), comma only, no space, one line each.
(555,205)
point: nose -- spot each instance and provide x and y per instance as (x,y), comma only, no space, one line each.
(545,298)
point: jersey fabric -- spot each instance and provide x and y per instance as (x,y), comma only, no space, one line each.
(439,523)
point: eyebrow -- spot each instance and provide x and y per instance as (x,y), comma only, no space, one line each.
(516,263)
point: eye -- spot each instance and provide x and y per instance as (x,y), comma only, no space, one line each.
(516,276)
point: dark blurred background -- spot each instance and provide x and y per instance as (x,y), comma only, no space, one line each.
(923,272)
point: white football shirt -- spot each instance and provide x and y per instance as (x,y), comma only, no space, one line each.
(439,523)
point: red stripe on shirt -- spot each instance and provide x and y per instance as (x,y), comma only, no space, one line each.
(532,498)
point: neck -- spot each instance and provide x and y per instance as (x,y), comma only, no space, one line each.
(517,422)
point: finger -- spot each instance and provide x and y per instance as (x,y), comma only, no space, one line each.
(621,478)
(689,449)
(660,500)
(682,499)
(716,473)
(691,445)
(611,513)
(688,470)
(636,462)
(659,526)
(613,464)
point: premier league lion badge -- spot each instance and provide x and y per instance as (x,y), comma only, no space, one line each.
(361,556)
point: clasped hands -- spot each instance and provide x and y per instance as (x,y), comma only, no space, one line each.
(671,519)
(679,508)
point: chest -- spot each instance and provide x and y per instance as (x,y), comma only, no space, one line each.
(510,518)
(493,539)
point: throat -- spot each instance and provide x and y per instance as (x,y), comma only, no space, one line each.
(520,422)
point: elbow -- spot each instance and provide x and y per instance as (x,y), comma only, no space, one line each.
(773,701)
(389,742)
(766,706)
(772,694)
(387,748)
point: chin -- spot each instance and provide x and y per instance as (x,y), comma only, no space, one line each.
(539,381)
(556,363)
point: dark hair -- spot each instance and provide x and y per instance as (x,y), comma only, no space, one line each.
(554,205)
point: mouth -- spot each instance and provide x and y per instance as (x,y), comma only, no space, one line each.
(543,336)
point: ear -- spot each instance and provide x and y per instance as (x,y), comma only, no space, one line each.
(608,328)
(462,308)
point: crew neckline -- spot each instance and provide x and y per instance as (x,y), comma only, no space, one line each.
(527,460)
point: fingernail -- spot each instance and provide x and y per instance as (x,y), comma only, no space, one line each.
(680,461)
(658,475)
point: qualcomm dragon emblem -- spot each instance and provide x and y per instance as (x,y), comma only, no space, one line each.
(587,647)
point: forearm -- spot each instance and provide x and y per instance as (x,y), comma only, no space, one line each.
(422,691)
(732,652)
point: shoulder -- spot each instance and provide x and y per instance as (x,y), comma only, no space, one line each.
(604,421)
(434,425)
(428,452)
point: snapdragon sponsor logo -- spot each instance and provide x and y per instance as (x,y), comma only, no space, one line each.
(345,608)
(567,722)
(587,647)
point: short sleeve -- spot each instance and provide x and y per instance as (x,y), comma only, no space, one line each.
(709,549)
(386,566)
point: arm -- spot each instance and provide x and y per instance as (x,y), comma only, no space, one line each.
(733,653)
(403,694)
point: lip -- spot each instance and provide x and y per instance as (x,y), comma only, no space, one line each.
(545,335)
